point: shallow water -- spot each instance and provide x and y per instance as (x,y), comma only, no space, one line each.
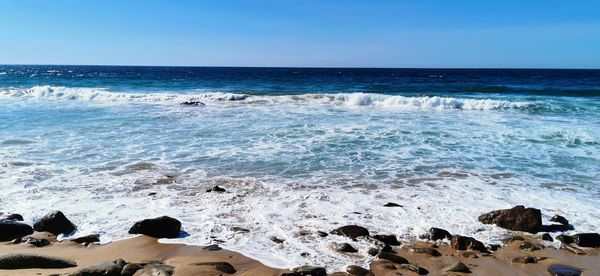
(309,149)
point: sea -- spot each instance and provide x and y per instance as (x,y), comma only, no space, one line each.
(298,150)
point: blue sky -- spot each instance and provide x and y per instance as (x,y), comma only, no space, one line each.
(343,33)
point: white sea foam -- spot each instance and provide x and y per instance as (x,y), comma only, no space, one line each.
(341,99)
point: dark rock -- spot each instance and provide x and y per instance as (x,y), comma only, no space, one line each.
(310,270)
(9,216)
(322,234)
(439,234)
(216,189)
(427,251)
(345,247)
(467,243)
(213,247)
(546,237)
(556,228)
(26,261)
(277,240)
(457,267)
(565,239)
(355,270)
(160,227)
(387,239)
(493,247)
(587,239)
(87,239)
(10,230)
(564,270)
(527,246)
(108,268)
(392,257)
(351,231)
(560,219)
(192,103)
(36,242)
(304,254)
(389,266)
(220,266)
(517,218)
(524,260)
(55,223)
(132,268)
(373,251)
(417,269)
(156,270)
(239,229)
(391,204)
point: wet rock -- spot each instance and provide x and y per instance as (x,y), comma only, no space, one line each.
(310,270)
(109,268)
(417,269)
(392,204)
(87,239)
(468,254)
(373,251)
(438,234)
(387,239)
(392,257)
(389,266)
(524,260)
(355,270)
(56,223)
(345,247)
(156,270)
(219,266)
(11,229)
(132,268)
(26,261)
(528,246)
(160,227)
(493,247)
(304,254)
(322,234)
(587,239)
(517,218)
(239,229)
(565,239)
(560,219)
(351,231)
(9,216)
(564,270)
(192,103)
(427,251)
(35,242)
(457,267)
(556,228)
(277,240)
(213,247)
(546,237)
(466,243)
(216,189)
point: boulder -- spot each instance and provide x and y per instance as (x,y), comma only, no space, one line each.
(155,270)
(587,239)
(219,266)
(216,189)
(557,228)
(565,239)
(564,270)
(351,231)
(392,257)
(560,219)
(26,261)
(309,270)
(392,204)
(457,267)
(411,267)
(387,239)
(160,227)
(438,234)
(131,268)
(87,239)
(517,218)
(467,243)
(9,216)
(11,229)
(56,223)
(33,241)
(354,270)
(345,247)
(546,237)
(108,268)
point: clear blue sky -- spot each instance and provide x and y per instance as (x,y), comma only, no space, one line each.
(367,33)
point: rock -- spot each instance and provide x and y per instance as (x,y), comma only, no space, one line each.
(389,266)
(11,229)
(565,239)
(35,242)
(213,247)
(26,261)
(277,240)
(387,239)
(564,270)
(220,266)
(108,268)
(427,251)
(351,231)
(310,270)
(556,228)
(438,234)
(468,254)
(527,246)
(524,260)
(391,204)
(192,103)
(493,247)
(55,223)
(517,218)
(345,247)
(373,251)
(132,268)
(546,237)
(417,269)
(355,270)
(155,270)
(216,189)
(87,239)
(467,243)
(392,257)
(239,229)
(560,219)
(322,234)
(160,227)
(457,267)
(587,239)
(9,216)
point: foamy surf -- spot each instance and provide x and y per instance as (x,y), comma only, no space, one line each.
(100,95)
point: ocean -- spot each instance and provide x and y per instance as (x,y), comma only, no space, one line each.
(298,150)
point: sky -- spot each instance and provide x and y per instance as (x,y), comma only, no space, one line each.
(303,33)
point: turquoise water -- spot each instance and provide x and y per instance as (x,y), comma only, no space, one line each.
(298,149)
